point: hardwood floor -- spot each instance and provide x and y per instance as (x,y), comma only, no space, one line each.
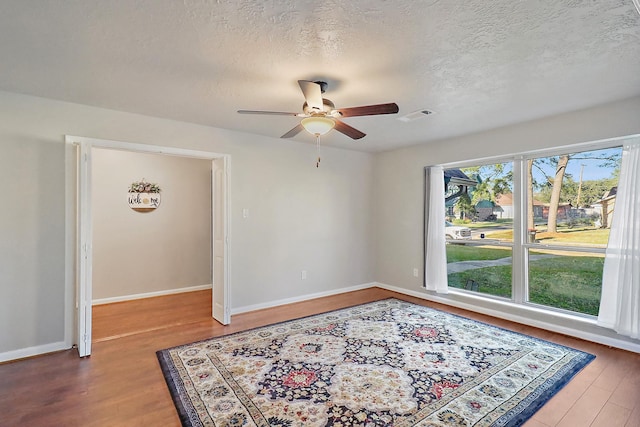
(121,319)
(121,383)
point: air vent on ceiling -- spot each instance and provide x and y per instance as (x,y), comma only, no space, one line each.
(415,115)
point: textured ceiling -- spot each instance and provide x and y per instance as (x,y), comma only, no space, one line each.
(478,64)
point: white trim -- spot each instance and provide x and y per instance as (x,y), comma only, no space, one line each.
(553,327)
(109,300)
(520,260)
(601,144)
(37,350)
(70,214)
(300,298)
(86,144)
(84,252)
(143,148)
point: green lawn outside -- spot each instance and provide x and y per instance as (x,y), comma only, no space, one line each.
(456,253)
(565,235)
(483,224)
(590,235)
(491,280)
(568,282)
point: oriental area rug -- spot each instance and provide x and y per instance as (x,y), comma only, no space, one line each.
(386,363)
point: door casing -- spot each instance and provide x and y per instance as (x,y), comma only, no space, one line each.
(78,208)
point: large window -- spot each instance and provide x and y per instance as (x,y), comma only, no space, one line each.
(533,229)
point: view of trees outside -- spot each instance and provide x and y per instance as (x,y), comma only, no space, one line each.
(492,181)
(573,187)
(570,201)
(565,192)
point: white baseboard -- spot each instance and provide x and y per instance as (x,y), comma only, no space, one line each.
(33,351)
(300,298)
(100,301)
(588,336)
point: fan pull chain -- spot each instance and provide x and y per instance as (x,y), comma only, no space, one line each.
(318,148)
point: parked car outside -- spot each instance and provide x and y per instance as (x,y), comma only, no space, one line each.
(456,232)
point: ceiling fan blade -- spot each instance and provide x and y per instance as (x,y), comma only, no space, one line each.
(369,110)
(351,132)
(269,113)
(293,132)
(312,93)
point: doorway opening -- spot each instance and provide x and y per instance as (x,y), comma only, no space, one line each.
(80,151)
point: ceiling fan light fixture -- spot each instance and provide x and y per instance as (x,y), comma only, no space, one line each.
(318,125)
(320,114)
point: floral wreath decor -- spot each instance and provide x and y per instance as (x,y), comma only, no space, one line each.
(143,187)
(144,196)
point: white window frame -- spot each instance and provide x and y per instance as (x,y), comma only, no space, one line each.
(520,246)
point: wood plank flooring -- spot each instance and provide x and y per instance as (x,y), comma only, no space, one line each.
(121,383)
(121,319)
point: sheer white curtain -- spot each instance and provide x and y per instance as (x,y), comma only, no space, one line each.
(435,271)
(620,301)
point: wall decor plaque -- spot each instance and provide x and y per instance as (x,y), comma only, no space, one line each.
(143,196)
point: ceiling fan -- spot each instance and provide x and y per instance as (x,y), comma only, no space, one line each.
(319,115)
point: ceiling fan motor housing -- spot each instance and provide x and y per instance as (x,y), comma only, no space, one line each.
(327,108)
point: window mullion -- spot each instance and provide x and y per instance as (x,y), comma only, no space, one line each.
(519,273)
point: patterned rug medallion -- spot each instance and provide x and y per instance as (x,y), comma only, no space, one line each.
(386,363)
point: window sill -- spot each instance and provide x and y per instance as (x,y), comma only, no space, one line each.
(533,309)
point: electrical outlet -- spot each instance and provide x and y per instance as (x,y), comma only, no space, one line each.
(415,272)
(303,275)
(245,213)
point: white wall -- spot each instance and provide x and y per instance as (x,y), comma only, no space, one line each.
(141,252)
(300,217)
(399,177)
